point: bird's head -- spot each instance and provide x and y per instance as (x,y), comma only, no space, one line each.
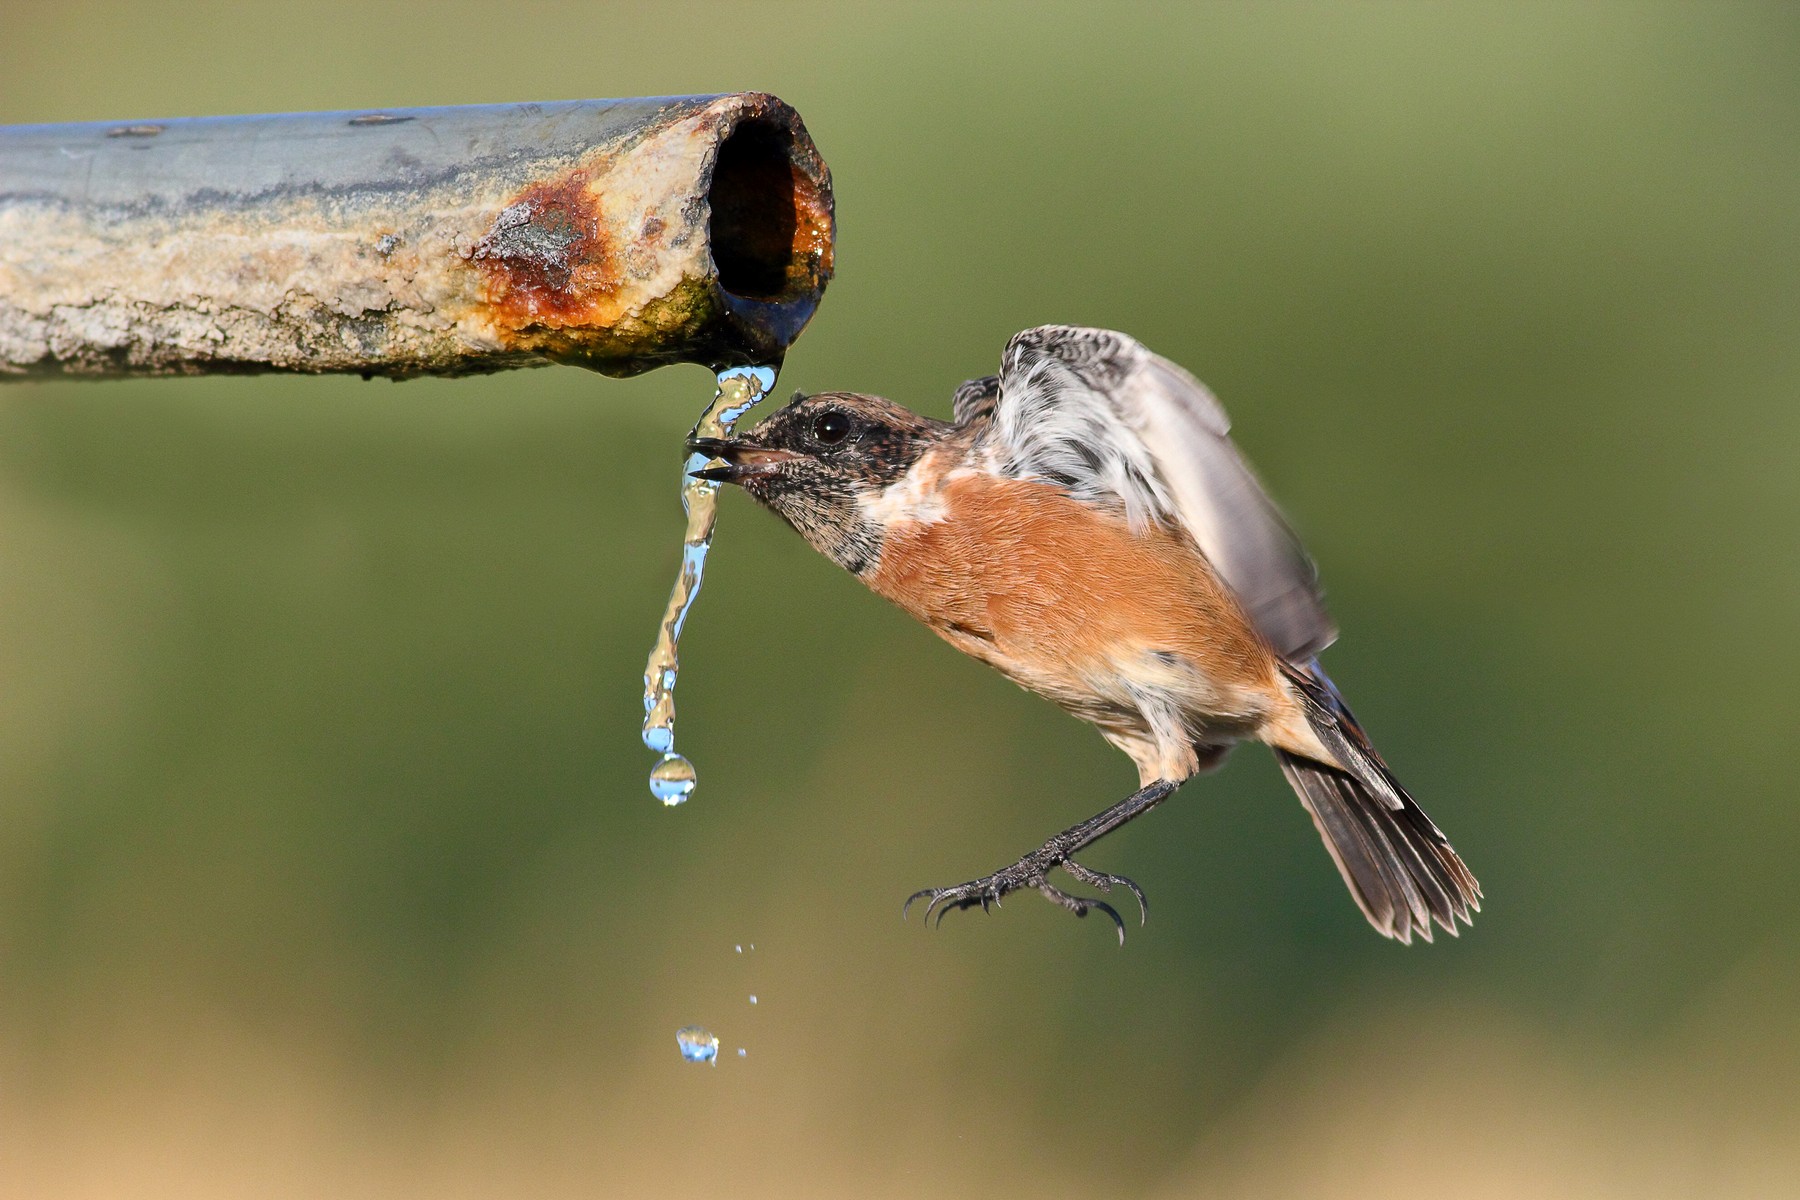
(822,462)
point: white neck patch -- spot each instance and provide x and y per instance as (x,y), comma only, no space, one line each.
(915,497)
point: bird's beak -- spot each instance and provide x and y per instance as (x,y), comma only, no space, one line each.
(738,459)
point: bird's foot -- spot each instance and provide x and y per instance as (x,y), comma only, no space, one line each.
(1032,871)
(1106,883)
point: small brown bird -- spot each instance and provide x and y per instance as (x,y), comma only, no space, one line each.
(1086,527)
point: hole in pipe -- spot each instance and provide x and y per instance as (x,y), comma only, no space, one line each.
(759,201)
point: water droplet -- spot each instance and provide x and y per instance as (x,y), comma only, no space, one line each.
(753,998)
(672,779)
(740,949)
(742,1052)
(697,1045)
(739,389)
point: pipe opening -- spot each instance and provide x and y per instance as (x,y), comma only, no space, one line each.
(765,214)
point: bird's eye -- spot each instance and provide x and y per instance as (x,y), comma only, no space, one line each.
(831,427)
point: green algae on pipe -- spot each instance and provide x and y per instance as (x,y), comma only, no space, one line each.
(619,235)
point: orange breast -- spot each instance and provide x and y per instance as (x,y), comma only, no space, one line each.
(1023,576)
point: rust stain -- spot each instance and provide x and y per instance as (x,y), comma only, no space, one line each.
(547,261)
(814,233)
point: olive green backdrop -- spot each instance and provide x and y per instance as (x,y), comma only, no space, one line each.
(327,867)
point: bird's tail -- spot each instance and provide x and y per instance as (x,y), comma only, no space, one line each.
(1399,867)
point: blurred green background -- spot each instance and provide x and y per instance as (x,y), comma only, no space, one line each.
(327,866)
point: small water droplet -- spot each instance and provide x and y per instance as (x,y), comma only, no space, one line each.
(742,1052)
(753,998)
(697,1045)
(740,949)
(672,779)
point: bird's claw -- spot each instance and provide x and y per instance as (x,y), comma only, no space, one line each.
(1106,883)
(985,892)
(1027,873)
(1081,905)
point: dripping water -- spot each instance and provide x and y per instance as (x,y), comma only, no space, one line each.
(672,778)
(698,1044)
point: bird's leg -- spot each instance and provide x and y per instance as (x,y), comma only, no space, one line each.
(1032,870)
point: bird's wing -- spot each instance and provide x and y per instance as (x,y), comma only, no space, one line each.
(1095,412)
(975,399)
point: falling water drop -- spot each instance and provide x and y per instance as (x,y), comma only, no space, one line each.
(672,779)
(697,1044)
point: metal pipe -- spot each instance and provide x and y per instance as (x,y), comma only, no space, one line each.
(615,234)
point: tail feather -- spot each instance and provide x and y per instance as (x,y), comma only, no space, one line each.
(1398,865)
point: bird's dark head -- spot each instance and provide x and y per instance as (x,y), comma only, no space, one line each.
(822,463)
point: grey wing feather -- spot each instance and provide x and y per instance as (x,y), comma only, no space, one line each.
(975,398)
(1099,413)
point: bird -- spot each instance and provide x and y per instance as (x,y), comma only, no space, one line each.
(1085,525)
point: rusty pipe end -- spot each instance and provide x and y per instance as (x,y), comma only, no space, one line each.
(710,240)
(772,227)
